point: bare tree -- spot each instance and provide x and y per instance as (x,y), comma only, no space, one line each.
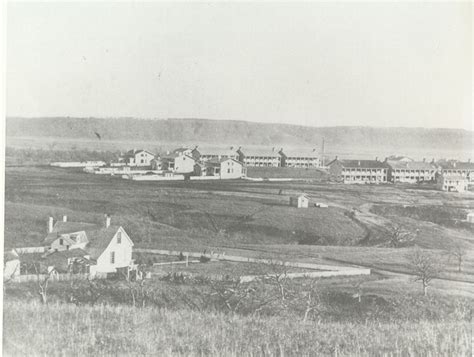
(358,290)
(312,302)
(458,252)
(231,294)
(400,236)
(425,267)
(43,284)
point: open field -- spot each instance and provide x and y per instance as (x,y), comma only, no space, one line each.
(201,214)
(77,331)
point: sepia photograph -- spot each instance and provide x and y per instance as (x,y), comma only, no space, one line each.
(238,178)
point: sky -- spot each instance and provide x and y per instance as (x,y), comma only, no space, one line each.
(319,64)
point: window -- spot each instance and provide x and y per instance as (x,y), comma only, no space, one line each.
(112,257)
(119,237)
(61,241)
(228,171)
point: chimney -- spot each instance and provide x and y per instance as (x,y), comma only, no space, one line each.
(335,158)
(376,158)
(64,218)
(107,221)
(424,159)
(469,160)
(273,148)
(50,224)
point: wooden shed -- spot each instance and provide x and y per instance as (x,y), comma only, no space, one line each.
(300,201)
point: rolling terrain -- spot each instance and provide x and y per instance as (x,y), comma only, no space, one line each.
(385,311)
(166,134)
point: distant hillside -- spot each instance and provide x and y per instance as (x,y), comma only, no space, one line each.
(226,132)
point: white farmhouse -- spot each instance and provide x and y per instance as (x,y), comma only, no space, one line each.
(179,161)
(107,247)
(224,168)
(141,158)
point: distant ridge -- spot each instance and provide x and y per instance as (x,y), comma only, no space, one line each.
(225,132)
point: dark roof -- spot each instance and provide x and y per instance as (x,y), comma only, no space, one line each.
(307,153)
(99,239)
(410,165)
(60,259)
(217,151)
(366,164)
(178,150)
(259,152)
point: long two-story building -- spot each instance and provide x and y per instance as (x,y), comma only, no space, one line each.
(457,168)
(259,157)
(410,171)
(299,158)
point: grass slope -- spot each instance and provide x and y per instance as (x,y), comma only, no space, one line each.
(59,330)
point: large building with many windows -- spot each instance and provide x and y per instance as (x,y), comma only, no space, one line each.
(410,171)
(259,157)
(299,158)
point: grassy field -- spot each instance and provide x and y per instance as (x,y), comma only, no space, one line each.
(200,214)
(77,331)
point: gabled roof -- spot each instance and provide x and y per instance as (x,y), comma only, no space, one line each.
(217,162)
(67,228)
(99,239)
(217,151)
(182,149)
(456,165)
(260,152)
(133,152)
(10,255)
(410,165)
(399,158)
(364,164)
(311,153)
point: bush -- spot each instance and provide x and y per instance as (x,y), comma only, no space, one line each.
(204,259)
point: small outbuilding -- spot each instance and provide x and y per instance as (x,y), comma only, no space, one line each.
(470,217)
(300,201)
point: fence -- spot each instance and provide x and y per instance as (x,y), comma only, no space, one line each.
(52,277)
(322,270)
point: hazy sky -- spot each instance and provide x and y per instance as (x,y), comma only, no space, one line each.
(320,64)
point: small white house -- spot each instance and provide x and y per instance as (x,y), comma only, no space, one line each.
(301,201)
(470,217)
(140,158)
(11,265)
(108,247)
